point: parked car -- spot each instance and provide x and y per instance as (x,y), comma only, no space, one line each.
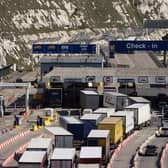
(162,132)
(148,150)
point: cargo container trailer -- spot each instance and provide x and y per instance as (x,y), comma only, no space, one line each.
(63,158)
(73,125)
(91,121)
(87,165)
(107,111)
(128,120)
(91,155)
(142,114)
(76,113)
(33,159)
(89,99)
(133,100)
(100,138)
(62,137)
(115,100)
(40,144)
(115,125)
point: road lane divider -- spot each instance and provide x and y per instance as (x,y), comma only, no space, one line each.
(13,139)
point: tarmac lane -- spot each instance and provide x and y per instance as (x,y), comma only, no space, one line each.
(152,161)
(125,155)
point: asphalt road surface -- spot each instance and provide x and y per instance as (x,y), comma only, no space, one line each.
(9,149)
(124,157)
(126,154)
(152,161)
(165,161)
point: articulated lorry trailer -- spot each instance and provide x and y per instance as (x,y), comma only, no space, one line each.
(142,114)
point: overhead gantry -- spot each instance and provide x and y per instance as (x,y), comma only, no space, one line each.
(23,85)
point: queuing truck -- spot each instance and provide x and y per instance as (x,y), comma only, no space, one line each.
(128,120)
(62,137)
(90,155)
(75,113)
(133,100)
(115,125)
(33,159)
(115,100)
(91,121)
(105,110)
(87,165)
(89,99)
(73,125)
(100,138)
(63,158)
(40,144)
(142,114)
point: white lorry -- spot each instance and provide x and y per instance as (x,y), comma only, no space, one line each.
(115,100)
(142,114)
(128,120)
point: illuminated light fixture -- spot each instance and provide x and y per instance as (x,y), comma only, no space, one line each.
(90,84)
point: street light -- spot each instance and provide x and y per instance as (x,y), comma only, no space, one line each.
(1,35)
(1,106)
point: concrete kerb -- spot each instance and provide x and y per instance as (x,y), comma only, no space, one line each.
(135,159)
(122,144)
(163,155)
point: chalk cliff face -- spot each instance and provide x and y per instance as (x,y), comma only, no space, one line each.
(24,22)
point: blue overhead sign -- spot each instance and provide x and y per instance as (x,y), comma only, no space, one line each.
(64,49)
(126,46)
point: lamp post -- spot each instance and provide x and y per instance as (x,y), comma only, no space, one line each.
(1,35)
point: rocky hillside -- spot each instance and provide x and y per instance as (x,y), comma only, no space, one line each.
(24,22)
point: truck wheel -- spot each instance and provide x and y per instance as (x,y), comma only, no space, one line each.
(149,123)
(140,127)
